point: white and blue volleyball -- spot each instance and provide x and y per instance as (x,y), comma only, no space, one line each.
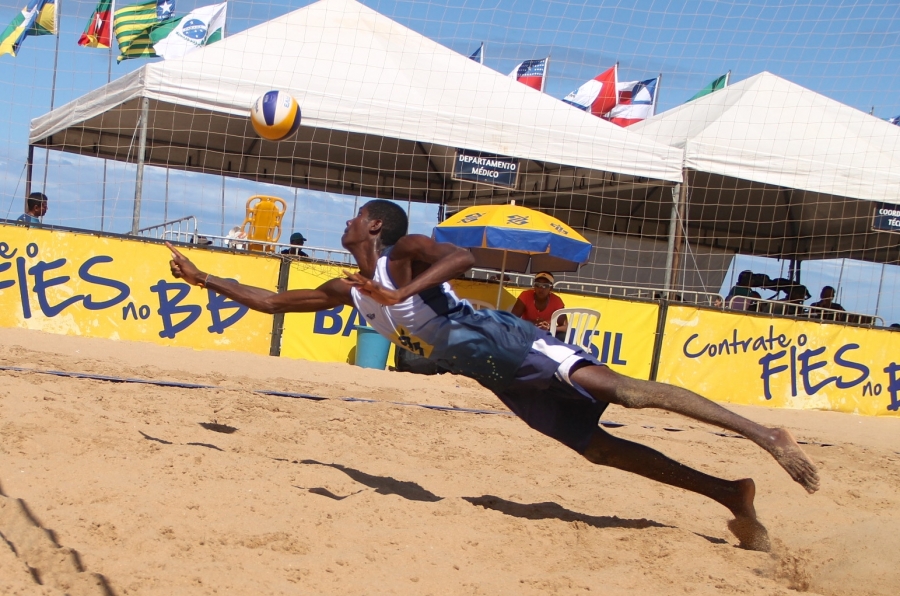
(275,115)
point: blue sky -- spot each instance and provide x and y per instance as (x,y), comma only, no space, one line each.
(845,50)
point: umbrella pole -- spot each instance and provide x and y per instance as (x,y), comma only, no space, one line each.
(502,274)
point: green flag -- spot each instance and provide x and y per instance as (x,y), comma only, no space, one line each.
(132,27)
(719,83)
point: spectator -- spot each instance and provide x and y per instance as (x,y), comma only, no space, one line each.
(297,240)
(36,208)
(739,295)
(792,305)
(235,235)
(827,301)
(538,305)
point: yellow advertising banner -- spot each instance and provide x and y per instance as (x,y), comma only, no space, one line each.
(99,286)
(624,339)
(758,360)
(324,336)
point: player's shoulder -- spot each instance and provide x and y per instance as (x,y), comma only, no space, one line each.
(409,246)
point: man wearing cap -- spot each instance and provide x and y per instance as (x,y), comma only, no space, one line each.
(297,240)
(538,305)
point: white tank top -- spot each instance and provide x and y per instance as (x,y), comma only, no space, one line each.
(419,322)
(486,345)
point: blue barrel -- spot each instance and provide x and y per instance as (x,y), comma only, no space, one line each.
(371,348)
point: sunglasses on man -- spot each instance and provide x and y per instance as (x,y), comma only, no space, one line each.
(542,285)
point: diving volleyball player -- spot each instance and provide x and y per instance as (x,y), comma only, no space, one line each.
(557,389)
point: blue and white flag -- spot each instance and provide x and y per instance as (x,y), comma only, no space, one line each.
(895,120)
(637,101)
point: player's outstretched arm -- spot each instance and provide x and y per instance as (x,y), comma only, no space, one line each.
(416,263)
(330,294)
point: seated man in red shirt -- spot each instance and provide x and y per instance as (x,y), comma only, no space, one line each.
(538,305)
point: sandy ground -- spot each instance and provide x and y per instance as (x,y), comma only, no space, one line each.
(123,488)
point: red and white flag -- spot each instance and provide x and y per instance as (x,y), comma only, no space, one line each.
(531,73)
(598,96)
(97,32)
(637,101)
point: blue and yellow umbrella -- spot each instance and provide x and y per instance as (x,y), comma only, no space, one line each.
(512,238)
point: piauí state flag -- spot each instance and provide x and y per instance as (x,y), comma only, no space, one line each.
(598,96)
(98,33)
(719,83)
(176,37)
(637,101)
(531,73)
(132,28)
(37,18)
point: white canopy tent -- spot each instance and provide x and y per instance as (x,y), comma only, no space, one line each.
(772,168)
(384,110)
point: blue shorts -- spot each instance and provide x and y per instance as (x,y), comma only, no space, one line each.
(543,395)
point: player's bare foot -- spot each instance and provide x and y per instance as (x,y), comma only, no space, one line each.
(788,453)
(751,534)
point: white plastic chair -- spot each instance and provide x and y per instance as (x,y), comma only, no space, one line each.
(479,304)
(582,324)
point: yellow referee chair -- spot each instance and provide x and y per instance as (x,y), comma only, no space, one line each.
(263,221)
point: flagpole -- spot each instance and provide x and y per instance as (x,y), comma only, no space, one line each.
(544,78)
(112,11)
(52,86)
(656,94)
(727,78)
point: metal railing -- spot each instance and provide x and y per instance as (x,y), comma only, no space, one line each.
(642,293)
(799,311)
(312,253)
(180,230)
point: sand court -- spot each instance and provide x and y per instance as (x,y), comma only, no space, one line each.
(150,489)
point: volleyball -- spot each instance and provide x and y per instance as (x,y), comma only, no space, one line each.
(275,115)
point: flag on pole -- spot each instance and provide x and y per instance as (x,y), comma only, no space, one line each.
(478,55)
(176,37)
(37,18)
(599,95)
(132,28)
(895,120)
(531,73)
(98,33)
(718,83)
(637,100)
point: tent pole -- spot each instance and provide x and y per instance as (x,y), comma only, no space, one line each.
(673,227)
(139,176)
(880,283)
(502,275)
(29,171)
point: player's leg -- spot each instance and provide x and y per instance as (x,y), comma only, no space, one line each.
(607,450)
(609,386)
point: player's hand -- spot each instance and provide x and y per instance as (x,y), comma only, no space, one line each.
(545,325)
(373,289)
(182,268)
